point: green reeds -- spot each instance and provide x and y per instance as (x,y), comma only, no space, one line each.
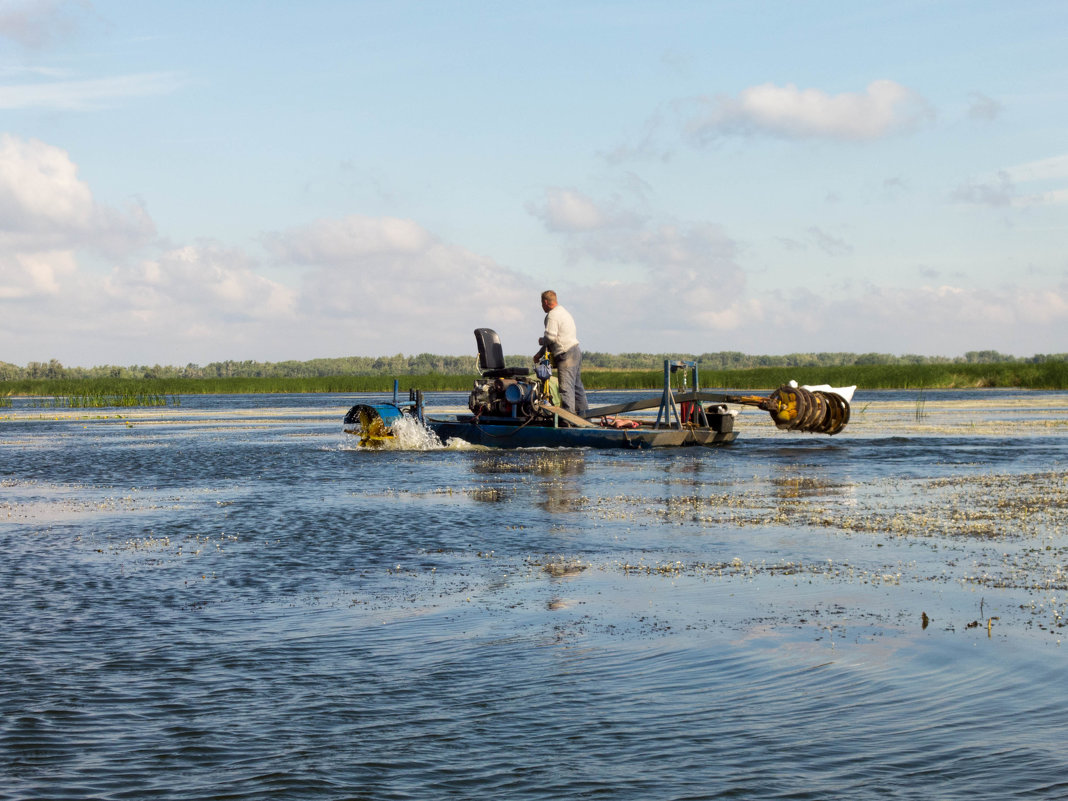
(1045,375)
(231,386)
(101,401)
(921,403)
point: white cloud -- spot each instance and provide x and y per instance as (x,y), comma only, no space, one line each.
(88,95)
(24,275)
(984,108)
(571,211)
(567,210)
(366,285)
(997,192)
(1046,180)
(1054,168)
(44,204)
(1056,197)
(671,251)
(380,285)
(688,277)
(384,285)
(937,320)
(831,245)
(39,188)
(883,109)
(1035,183)
(609,233)
(9,70)
(693,296)
(36,23)
(204,282)
(186,304)
(47,214)
(344,242)
(660,316)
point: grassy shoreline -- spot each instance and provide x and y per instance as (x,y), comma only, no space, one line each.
(1049,375)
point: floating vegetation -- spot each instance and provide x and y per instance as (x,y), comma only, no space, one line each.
(1001,507)
(559,566)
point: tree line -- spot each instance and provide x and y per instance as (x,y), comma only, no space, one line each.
(432,364)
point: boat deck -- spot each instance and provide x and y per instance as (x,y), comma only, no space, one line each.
(505,432)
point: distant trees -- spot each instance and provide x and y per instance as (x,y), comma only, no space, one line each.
(434,364)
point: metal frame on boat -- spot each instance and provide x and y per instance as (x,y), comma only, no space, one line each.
(680,421)
(512,409)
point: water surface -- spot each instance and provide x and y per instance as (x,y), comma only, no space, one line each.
(228,599)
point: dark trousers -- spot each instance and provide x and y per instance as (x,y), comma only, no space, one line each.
(569,371)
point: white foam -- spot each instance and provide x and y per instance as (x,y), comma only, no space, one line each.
(409,434)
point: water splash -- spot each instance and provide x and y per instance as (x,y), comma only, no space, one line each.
(410,434)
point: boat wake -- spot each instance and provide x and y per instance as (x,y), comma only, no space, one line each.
(410,434)
(407,433)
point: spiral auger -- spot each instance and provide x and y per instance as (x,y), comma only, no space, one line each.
(795,408)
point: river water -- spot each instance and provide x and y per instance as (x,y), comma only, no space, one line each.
(227,599)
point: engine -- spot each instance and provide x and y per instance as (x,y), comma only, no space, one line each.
(504,397)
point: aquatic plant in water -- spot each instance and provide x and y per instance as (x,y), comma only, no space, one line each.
(99,401)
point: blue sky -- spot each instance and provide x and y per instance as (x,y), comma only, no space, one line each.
(196,181)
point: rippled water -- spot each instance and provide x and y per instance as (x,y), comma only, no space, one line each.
(228,600)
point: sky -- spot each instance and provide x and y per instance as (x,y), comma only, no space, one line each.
(190,182)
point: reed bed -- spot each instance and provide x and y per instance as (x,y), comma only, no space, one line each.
(101,401)
(1051,375)
(1048,375)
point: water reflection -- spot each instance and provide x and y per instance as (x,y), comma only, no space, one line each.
(538,462)
(561,572)
(562,489)
(554,477)
(790,481)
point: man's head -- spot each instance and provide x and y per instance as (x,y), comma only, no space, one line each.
(548,300)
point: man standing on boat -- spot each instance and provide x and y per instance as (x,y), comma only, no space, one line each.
(561,338)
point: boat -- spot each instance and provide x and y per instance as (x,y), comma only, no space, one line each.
(510,408)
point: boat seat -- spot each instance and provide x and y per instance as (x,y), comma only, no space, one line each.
(491,356)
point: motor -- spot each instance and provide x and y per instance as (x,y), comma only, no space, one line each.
(504,397)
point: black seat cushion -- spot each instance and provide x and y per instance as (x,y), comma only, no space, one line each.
(491,356)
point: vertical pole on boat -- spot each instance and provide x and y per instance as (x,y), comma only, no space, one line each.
(661,412)
(396,386)
(699,411)
(667,401)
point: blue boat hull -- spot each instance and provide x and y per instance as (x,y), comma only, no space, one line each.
(496,435)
